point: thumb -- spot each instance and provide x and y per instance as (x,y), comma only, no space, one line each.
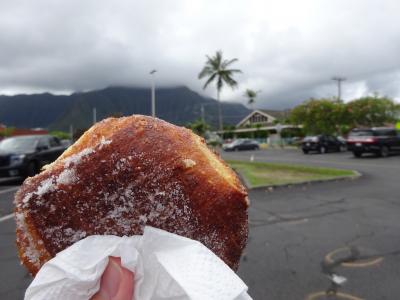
(116,282)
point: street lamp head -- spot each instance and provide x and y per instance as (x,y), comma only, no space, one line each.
(338,78)
(153,71)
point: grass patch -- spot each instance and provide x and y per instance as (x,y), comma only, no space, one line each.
(261,174)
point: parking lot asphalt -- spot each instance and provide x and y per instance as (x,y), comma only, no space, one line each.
(293,230)
(13,277)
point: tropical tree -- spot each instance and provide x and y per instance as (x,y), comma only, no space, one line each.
(199,127)
(6,132)
(62,135)
(330,117)
(373,111)
(216,70)
(251,97)
(321,116)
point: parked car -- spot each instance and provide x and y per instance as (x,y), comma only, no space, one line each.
(212,138)
(66,143)
(322,144)
(381,141)
(296,141)
(26,155)
(241,144)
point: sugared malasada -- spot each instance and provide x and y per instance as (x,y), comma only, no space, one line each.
(123,174)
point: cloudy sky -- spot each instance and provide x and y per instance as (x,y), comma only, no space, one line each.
(287,49)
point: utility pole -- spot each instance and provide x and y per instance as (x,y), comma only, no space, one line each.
(202,113)
(71,132)
(339,83)
(94,115)
(153,94)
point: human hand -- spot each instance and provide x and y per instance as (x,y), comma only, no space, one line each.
(116,282)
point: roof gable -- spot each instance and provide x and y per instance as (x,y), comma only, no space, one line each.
(277,114)
(256,112)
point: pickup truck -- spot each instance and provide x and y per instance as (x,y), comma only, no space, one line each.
(380,141)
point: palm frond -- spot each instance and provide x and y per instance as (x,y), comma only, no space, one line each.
(209,80)
(250,94)
(215,61)
(226,62)
(215,69)
(234,71)
(218,58)
(212,63)
(207,70)
(226,77)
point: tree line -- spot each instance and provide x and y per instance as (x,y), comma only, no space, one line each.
(318,116)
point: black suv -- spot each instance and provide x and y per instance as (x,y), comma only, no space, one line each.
(26,155)
(380,141)
(322,144)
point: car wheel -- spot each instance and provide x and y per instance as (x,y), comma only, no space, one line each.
(32,169)
(384,151)
(235,149)
(305,151)
(357,154)
(342,148)
(322,150)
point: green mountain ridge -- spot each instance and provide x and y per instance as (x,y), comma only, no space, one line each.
(178,105)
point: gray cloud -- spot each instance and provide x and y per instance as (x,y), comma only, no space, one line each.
(288,49)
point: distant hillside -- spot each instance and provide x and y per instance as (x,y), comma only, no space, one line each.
(177,105)
(29,111)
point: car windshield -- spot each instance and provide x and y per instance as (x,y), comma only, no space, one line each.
(19,144)
(311,139)
(237,142)
(386,132)
(362,133)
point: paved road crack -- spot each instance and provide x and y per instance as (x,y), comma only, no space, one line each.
(358,237)
(323,204)
(283,219)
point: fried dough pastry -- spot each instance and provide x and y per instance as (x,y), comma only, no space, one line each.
(123,174)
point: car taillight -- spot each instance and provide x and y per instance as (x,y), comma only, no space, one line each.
(353,140)
(362,140)
(370,140)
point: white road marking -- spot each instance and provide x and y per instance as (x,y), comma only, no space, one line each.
(9,190)
(5,218)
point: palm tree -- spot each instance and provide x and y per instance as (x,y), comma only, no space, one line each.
(216,69)
(251,96)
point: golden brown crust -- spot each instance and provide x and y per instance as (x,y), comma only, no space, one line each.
(123,174)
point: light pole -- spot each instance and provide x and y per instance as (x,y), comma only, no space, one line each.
(153,94)
(94,110)
(202,113)
(279,132)
(71,132)
(339,82)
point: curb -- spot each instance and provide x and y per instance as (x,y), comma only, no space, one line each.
(356,175)
(243,180)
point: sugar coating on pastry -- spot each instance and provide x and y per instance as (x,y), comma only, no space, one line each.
(123,174)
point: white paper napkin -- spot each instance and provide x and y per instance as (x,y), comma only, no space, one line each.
(166,266)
